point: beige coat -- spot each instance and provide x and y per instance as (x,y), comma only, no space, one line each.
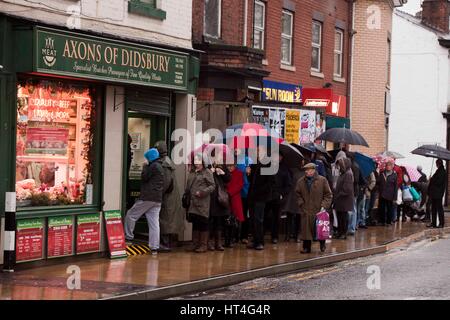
(310,203)
(202,181)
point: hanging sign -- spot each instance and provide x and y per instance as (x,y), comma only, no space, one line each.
(88,233)
(60,236)
(29,239)
(115,234)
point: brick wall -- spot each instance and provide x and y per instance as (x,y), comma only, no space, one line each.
(332,10)
(370,75)
(435,13)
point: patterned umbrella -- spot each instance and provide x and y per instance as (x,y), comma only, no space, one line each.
(391,154)
(413,174)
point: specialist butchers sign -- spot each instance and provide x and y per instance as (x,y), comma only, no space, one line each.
(60,236)
(73,54)
(88,233)
(29,239)
(115,234)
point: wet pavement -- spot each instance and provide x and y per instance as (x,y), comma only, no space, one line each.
(104,278)
(419,272)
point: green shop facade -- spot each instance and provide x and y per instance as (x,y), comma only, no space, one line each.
(77,113)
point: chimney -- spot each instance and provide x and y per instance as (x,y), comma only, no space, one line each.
(436,14)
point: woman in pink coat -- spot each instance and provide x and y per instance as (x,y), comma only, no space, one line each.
(234,188)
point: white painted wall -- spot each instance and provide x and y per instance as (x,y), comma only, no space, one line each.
(110,17)
(419,91)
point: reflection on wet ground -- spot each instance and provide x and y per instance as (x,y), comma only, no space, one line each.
(102,277)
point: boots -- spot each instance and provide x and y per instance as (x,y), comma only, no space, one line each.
(211,242)
(203,242)
(218,241)
(195,240)
(306,246)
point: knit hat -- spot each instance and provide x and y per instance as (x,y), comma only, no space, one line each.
(151,154)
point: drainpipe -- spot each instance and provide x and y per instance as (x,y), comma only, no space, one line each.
(244,41)
(352,32)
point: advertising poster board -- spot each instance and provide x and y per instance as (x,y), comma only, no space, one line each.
(307,126)
(29,239)
(60,236)
(88,233)
(292,134)
(115,234)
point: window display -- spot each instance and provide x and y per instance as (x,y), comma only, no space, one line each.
(54,148)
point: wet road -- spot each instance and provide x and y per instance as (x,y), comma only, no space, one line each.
(421,271)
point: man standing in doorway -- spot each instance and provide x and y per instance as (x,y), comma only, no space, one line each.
(436,191)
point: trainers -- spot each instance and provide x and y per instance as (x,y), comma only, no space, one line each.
(154,252)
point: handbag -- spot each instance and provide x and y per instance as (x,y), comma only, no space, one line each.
(414,193)
(406,195)
(223,197)
(186,199)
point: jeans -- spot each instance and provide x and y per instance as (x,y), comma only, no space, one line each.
(362,211)
(151,210)
(394,211)
(258,223)
(352,215)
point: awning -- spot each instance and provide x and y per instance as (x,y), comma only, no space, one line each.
(337,122)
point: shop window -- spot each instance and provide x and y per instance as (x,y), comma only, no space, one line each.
(259,25)
(287,21)
(212,18)
(316,46)
(54,146)
(338,52)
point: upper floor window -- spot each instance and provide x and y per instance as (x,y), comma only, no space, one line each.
(259,25)
(338,52)
(212,20)
(316,46)
(287,22)
(149,8)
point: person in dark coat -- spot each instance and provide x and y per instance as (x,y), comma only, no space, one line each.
(422,186)
(436,191)
(314,195)
(344,196)
(200,184)
(234,188)
(150,199)
(218,213)
(387,189)
(290,206)
(171,218)
(259,194)
(283,184)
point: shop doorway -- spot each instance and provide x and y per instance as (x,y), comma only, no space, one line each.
(144,130)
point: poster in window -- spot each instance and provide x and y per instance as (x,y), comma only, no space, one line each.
(29,239)
(278,121)
(292,134)
(307,126)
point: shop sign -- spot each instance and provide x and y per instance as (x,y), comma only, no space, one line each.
(29,239)
(60,236)
(67,53)
(88,233)
(336,105)
(281,92)
(115,234)
(322,103)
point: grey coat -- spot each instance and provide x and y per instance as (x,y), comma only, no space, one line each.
(152,182)
(344,192)
(171,217)
(202,181)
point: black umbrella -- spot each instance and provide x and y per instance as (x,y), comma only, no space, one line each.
(343,135)
(318,147)
(432,151)
(291,155)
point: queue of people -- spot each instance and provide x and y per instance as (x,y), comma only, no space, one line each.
(228,204)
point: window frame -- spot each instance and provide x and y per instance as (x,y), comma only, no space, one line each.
(258,28)
(288,37)
(219,22)
(339,52)
(317,46)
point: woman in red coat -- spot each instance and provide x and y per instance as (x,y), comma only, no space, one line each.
(234,188)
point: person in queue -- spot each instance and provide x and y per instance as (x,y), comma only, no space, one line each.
(387,188)
(343,196)
(436,191)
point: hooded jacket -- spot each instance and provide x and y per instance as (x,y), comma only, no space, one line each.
(152,182)
(344,192)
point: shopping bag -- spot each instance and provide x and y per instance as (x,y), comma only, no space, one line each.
(414,193)
(322,226)
(335,220)
(406,195)
(399,200)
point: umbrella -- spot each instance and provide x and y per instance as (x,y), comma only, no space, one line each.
(317,147)
(343,135)
(391,154)
(244,135)
(413,174)
(291,155)
(304,149)
(366,164)
(432,151)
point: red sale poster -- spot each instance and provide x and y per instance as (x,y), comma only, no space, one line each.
(60,236)
(88,233)
(115,233)
(29,239)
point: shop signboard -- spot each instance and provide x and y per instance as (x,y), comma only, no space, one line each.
(273,118)
(307,126)
(292,134)
(115,234)
(29,239)
(88,233)
(281,92)
(60,236)
(72,54)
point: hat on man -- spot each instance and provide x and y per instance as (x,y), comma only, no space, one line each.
(309,166)
(151,154)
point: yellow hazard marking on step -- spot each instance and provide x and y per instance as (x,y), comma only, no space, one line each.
(135,249)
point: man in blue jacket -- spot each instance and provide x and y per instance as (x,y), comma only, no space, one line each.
(149,202)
